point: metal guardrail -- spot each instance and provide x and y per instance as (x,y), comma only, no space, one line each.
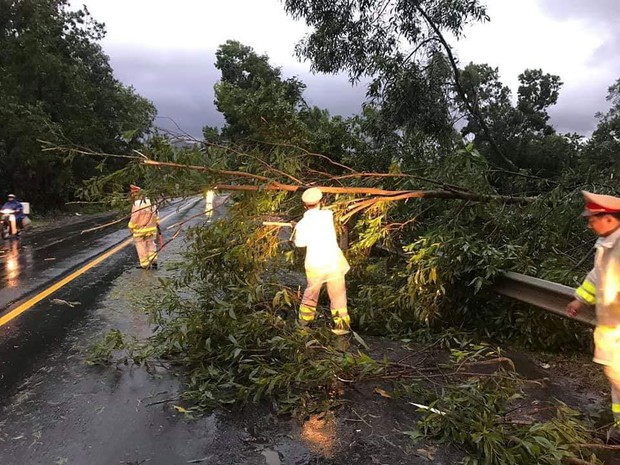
(544,294)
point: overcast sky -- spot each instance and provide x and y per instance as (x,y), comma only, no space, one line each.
(166,50)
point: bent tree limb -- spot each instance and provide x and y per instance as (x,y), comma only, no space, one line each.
(381,195)
(473,110)
(387,195)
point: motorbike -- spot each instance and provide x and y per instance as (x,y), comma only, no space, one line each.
(8,224)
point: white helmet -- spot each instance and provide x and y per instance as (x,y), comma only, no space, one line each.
(312,196)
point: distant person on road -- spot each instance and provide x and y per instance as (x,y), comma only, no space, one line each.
(143,225)
(209,203)
(602,289)
(325,262)
(12,203)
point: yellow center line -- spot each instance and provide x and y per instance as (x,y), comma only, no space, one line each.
(67,279)
(53,288)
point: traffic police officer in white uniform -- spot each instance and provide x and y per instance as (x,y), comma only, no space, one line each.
(325,262)
(602,289)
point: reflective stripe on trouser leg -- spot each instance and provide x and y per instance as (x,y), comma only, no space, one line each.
(615,406)
(342,321)
(306,313)
(146,248)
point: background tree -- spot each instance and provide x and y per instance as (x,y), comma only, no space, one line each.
(601,154)
(264,111)
(536,93)
(254,99)
(56,84)
(379,39)
(521,130)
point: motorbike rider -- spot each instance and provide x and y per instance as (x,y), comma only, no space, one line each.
(13,204)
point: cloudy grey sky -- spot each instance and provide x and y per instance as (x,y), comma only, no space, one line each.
(166,50)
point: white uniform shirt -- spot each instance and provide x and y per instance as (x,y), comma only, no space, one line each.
(316,232)
(605,277)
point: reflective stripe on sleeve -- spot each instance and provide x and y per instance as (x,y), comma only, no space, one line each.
(588,286)
(586,293)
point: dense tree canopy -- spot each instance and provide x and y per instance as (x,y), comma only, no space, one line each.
(602,152)
(255,101)
(395,43)
(56,84)
(522,129)
(260,107)
(368,37)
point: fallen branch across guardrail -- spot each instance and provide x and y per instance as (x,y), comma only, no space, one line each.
(544,294)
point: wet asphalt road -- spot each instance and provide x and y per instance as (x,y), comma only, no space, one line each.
(42,255)
(31,264)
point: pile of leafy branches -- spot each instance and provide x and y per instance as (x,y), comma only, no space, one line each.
(416,262)
(488,416)
(252,354)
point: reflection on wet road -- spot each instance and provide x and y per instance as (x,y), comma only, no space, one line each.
(15,259)
(38,257)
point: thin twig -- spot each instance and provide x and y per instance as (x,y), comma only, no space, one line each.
(493,361)
(362,420)
(124,218)
(162,401)
(307,152)
(76,202)
(405,176)
(80,150)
